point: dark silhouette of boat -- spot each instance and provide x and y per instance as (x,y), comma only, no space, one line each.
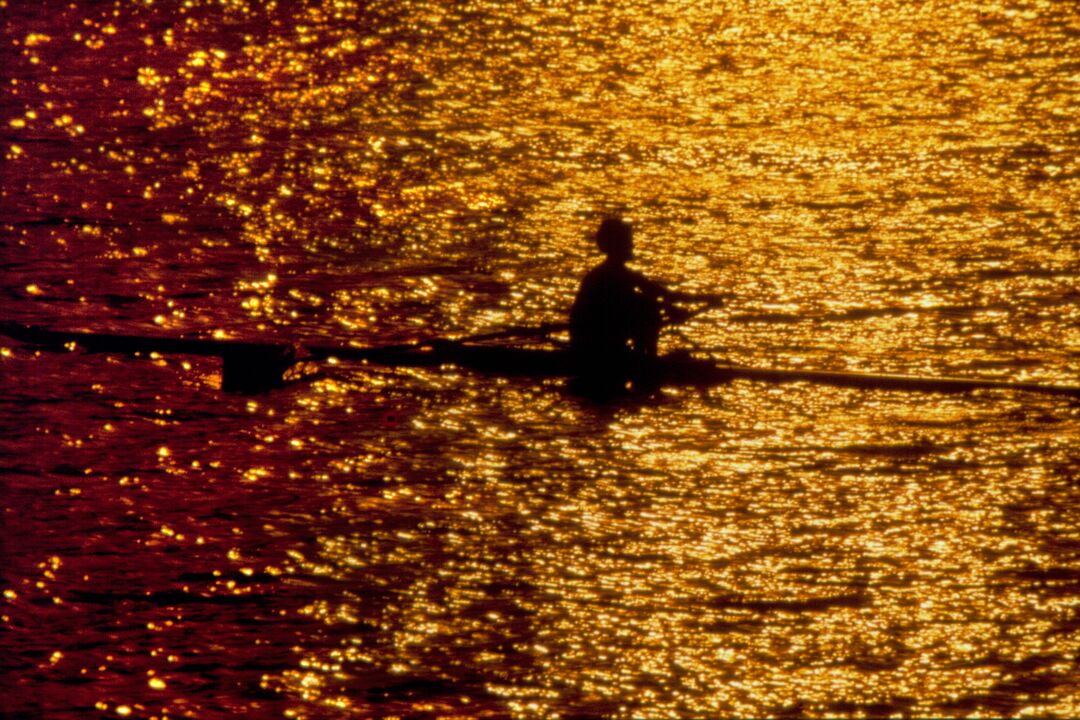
(261,366)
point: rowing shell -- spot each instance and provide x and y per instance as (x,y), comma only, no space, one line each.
(257,367)
(681,369)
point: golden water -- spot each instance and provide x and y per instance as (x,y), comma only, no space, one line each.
(885,186)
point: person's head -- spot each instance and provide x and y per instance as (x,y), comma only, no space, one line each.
(615,239)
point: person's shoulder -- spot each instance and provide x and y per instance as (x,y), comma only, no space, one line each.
(607,273)
(595,273)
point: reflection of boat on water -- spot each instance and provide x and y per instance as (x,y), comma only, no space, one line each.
(253,366)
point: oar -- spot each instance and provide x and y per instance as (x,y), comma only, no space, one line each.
(256,367)
(890,381)
(870,379)
(251,366)
(318,352)
(710,299)
(704,301)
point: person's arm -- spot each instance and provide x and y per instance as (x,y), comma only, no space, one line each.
(652,289)
(667,296)
(713,299)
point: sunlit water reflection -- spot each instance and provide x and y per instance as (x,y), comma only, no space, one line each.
(885,186)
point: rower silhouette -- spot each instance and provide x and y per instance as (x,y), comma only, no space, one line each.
(616,317)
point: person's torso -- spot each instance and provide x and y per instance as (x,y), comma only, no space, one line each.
(602,314)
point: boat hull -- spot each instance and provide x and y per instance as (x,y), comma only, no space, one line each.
(255,366)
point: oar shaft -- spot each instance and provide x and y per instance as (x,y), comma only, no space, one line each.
(361,353)
(257,366)
(888,381)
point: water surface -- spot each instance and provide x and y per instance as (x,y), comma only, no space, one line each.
(885,186)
